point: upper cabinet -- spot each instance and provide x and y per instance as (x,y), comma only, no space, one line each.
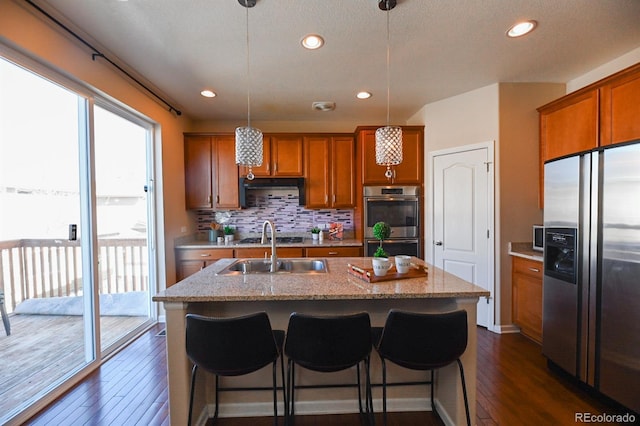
(604,113)
(409,172)
(569,125)
(211,174)
(330,170)
(282,156)
(620,109)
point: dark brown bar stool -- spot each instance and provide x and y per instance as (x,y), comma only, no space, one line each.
(234,347)
(329,344)
(420,341)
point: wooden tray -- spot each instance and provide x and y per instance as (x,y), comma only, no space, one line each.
(366,274)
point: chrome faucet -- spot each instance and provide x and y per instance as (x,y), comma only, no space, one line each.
(274,257)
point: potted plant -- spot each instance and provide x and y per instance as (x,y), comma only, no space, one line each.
(381,264)
(228,232)
(315,232)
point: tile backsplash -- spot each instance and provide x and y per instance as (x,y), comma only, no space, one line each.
(280,206)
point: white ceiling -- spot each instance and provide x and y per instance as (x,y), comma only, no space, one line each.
(438,49)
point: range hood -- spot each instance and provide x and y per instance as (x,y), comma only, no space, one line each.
(271,183)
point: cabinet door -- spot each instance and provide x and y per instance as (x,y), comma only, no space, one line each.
(527,297)
(570,126)
(226,173)
(343,172)
(190,261)
(287,155)
(198,172)
(620,111)
(410,171)
(318,171)
(265,168)
(334,251)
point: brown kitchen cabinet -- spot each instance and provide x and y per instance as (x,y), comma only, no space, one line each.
(330,171)
(282,155)
(527,296)
(620,109)
(211,174)
(190,261)
(333,251)
(264,252)
(409,172)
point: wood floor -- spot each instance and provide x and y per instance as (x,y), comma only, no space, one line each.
(515,387)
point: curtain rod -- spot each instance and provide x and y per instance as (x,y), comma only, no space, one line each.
(97,53)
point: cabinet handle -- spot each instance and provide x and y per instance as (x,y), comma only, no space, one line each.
(334,198)
(534,269)
(333,253)
(209,199)
(205,255)
(326,198)
(275,167)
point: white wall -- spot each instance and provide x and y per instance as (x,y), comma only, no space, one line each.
(605,70)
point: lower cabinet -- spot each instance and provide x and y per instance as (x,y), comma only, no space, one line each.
(527,296)
(334,251)
(190,261)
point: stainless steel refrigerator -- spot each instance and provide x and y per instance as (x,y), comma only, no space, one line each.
(591,284)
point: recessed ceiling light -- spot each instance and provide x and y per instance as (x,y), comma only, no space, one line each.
(522,28)
(312,41)
(363,95)
(208,94)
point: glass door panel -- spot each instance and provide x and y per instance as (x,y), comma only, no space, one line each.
(45,278)
(121,205)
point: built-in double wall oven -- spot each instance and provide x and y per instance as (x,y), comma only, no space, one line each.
(399,206)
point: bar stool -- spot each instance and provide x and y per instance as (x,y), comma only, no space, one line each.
(420,341)
(234,347)
(329,344)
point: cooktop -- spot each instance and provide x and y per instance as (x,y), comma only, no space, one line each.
(279,240)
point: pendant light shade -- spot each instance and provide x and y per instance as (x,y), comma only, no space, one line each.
(388,138)
(248,139)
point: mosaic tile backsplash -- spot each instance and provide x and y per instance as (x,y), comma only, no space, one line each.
(280,206)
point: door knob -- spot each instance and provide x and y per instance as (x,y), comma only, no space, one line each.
(438,243)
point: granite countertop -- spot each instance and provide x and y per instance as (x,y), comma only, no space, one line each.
(336,284)
(306,242)
(525,250)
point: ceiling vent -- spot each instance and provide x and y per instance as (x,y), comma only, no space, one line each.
(323,106)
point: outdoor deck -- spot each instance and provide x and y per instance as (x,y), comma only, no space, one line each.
(43,348)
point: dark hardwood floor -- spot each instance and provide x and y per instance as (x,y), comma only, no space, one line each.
(515,387)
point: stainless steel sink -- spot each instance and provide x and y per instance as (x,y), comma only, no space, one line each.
(263,266)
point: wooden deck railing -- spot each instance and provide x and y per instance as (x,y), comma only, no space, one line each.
(34,268)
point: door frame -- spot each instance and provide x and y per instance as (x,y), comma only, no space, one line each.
(429,254)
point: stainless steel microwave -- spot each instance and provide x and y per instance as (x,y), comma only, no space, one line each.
(538,237)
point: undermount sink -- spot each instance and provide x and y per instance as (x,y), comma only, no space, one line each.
(263,266)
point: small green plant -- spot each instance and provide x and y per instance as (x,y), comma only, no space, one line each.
(315,230)
(229,230)
(380,252)
(382,231)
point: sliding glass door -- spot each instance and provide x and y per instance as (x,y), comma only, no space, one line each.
(45,268)
(76,227)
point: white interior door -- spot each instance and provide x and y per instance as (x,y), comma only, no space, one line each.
(462,219)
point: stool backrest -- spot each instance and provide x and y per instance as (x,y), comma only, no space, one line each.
(423,341)
(230,346)
(328,343)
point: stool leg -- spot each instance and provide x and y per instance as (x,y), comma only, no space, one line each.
(384,392)
(193,385)
(433,399)
(275,393)
(215,413)
(284,388)
(464,393)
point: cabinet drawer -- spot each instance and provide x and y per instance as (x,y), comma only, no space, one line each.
(334,252)
(204,254)
(532,268)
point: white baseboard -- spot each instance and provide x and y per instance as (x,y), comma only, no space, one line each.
(504,329)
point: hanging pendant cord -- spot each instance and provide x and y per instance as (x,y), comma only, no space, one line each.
(388,60)
(248,75)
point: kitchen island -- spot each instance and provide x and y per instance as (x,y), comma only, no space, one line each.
(335,292)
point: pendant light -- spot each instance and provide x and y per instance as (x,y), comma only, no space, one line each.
(388,138)
(248,139)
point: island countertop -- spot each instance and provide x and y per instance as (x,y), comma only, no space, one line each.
(337,284)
